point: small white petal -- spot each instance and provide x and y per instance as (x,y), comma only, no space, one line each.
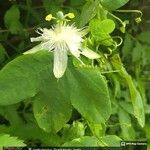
(84,31)
(73,48)
(60,61)
(35,39)
(90,54)
(35,49)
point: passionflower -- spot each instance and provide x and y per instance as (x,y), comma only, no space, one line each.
(62,39)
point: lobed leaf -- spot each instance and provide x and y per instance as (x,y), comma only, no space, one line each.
(90,94)
(127,130)
(6,140)
(85,88)
(136,98)
(101,30)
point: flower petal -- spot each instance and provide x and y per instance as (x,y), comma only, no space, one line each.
(73,48)
(35,49)
(60,61)
(90,54)
(84,31)
(35,39)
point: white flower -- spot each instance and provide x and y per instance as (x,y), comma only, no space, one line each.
(62,39)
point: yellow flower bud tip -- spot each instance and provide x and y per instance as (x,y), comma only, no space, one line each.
(138,20)
(49,17)
(70,15)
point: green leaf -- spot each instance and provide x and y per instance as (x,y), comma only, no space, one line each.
(127,106)
(51,111)
(146,55)
(6,140)
(127,46)
(29,131)
(101,30)
(81,95)
(89,10)
(117,86)
(90,94)
(147,109)
(113,4)
(2,53)
(127,130)
(97,129)
(20,78)
(144,37)
(33,77)
(147,132)
(11,114)
(136,98)
(98,27)
(11,20)
(28,75)
(137,52)
(83,141)
(110,141)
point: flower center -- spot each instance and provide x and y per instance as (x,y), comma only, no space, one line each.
(67,34)
(59,34)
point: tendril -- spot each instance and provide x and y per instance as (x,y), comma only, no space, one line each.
(118,37)
(137,19)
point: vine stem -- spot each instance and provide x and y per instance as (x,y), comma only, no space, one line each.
(117,18)
(130,11)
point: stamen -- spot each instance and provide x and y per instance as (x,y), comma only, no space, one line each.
(70,15)
(49,17)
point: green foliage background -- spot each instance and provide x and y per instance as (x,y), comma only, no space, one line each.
(99,104)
